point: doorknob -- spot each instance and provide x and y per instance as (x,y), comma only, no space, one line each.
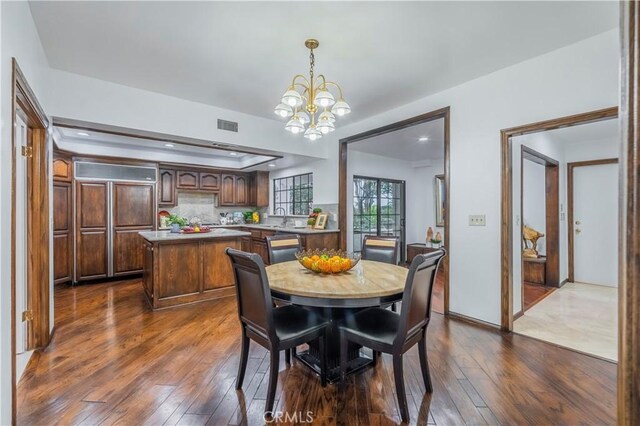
(578,230)
(578,222)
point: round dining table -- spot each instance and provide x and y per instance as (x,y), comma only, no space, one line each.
(334,297)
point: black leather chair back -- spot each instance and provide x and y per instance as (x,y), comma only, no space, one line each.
(255,308)
(283,247)
(380,249)
(416,299)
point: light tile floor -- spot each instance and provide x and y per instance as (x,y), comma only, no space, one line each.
(578,316)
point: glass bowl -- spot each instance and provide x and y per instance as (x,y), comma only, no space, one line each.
(327,261)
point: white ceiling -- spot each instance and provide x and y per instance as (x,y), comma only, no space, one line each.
(241,55)
(115,145)
(405,145)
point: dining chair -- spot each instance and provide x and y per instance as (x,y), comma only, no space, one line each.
(380,249)
(283,247)
(389,332)
(276,329)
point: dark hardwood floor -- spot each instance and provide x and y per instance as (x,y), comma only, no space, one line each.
(112,360)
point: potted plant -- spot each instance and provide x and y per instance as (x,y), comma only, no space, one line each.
(313,216)
(436,241)
(176,222)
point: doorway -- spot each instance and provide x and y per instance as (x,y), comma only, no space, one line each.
(378,209)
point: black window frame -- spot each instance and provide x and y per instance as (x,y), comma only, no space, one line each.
(296,200)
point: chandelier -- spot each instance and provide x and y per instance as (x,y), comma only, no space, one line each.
(306,98)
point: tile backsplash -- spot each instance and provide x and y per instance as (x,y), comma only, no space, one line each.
(202,205)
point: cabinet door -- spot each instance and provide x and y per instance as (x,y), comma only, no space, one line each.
(245,244)
(91,233)
(209,181)
(261,189)
(133,205)
(128,251)
(187,180)
(241,191)
(62,169)
(260,247)
(62,240)
(167,188)
(92,261)
(147,273)
(61,258)
(216,268)
(227,191)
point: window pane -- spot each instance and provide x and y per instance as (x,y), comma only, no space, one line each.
(294,193)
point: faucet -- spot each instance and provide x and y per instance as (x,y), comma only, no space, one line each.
(284,215)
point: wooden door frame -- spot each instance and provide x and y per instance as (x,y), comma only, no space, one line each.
(506,233)
(552,215)
(25,104)
(570,167)
(443,113)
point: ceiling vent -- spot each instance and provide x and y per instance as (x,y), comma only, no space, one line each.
(230,126)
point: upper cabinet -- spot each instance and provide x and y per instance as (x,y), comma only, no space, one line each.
(62,169)
(233,189)
(209,181)
(188,180)
(167,188)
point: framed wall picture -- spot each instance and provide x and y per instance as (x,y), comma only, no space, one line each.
(440,199)
(321,221)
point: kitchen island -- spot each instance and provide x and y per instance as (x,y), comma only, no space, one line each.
(187,268)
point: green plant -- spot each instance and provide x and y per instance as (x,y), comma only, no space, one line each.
(434,241)
(317,210)
(174,218)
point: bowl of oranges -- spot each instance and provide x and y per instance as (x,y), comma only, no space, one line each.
(327,261)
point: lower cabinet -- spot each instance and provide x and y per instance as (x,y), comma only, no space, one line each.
(182,272)
(128,251)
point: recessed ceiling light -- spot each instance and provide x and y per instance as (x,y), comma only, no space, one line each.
(82,134)
(272,165)
(169,145)
(423,139)
(233,153)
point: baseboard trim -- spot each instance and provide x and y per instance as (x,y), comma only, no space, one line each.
(563,282)
(474,321)
(518,314)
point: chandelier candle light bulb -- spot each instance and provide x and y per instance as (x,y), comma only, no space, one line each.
(305,97)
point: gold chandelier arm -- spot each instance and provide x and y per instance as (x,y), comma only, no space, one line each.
(336,85)
(293,81)
(324,82)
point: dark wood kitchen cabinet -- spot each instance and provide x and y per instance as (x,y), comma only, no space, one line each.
(92,219)
(167,188)
(209,181)
(241,191)
(109,216)
(62,232)
(234,190)
(187,180)
(133,212)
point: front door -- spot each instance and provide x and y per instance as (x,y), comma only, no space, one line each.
(378,209)
(595,224)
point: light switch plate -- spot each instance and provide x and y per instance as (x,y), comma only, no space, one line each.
(477,220)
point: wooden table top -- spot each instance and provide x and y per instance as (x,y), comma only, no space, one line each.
(367,279)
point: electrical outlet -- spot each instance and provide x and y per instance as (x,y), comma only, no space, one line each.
(477,220)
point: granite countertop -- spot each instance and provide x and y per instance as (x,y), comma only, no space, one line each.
(157,236)
(290,230)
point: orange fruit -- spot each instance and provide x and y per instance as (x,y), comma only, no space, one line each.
(336,265)
(346,264)
(315,257)
(315,266)
(325,266)
(306,262)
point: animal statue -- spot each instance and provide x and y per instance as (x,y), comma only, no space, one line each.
(531,235)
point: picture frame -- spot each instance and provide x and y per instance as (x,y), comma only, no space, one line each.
(321,221)
(440,199)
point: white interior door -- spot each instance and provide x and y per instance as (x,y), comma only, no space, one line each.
(21,236)
(595,224)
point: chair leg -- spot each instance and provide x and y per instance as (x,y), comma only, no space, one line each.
(343,359)
(323,359)
(273,379)
(393,307)
(244,356)
(424,364)
(398,375)
(374,356)
(287,356)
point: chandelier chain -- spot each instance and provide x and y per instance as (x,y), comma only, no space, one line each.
(312,62)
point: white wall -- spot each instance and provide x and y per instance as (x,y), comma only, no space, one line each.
(549,86)
(534,200)
(19,39)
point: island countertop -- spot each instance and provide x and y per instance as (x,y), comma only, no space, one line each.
(159,236)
